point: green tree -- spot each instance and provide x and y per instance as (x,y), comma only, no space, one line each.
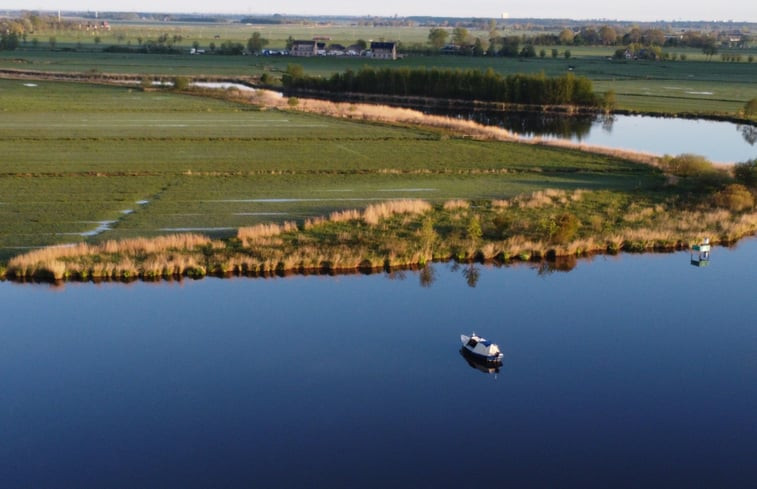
(473,230)
(510,46)
(746,173)
(478,47)
(97,40)
(180,83)
(607,35)
(709,48)
(256,43)
(460,36)
(542,53)
(52,42)
(8,41)
(528,51)
(293,73)
(554,53)
(566,36)
(735,197)
(437,37)
(565,228)
(609,100)
(653,37)
(567,54)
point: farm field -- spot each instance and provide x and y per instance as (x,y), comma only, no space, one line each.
(89,163)
(707,87)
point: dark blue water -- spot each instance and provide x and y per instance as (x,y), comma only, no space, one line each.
(631,371)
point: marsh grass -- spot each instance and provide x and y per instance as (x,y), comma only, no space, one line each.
(401,234)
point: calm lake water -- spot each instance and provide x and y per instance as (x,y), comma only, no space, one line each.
(630,371)
(723,142)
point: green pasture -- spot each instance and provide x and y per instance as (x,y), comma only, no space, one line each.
(694,85)
(75,155)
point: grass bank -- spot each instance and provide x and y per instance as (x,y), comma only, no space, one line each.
(543,225)
(260,184)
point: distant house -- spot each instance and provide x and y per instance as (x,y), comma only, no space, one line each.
(735,41)
(304,48)
(384,50)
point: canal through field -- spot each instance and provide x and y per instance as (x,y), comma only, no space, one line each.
(627,371)
(719,141)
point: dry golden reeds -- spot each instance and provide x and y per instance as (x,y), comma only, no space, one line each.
(375,212)
(456,204)
(252,234)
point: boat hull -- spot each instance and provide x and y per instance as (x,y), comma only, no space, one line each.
(481,358)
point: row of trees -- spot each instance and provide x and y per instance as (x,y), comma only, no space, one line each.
(8,41)
(452,84)
(649,42)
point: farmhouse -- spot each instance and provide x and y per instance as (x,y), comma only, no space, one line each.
(304,48)
(384,50)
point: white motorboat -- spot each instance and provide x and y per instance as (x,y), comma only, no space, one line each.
(481,348)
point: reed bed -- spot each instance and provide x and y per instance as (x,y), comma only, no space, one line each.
(376,212)
(375,239)
(451,205)
(254,234)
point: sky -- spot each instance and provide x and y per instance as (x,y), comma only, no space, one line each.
(639,10)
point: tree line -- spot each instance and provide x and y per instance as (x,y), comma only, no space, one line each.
(489,86)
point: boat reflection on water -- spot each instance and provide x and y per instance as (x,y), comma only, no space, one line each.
(486,366)
(700,253)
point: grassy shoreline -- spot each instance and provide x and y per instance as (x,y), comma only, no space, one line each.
(543,226)
(673,209)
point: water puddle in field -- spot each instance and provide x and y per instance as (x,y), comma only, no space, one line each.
(189,230)
(701,93)
(126,212)
(261,214)
(143,202)
(287,200)
(408,190)
(223,86)
(101,228)
(30,85)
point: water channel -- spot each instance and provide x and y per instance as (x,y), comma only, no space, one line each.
(626,371)
(719,141)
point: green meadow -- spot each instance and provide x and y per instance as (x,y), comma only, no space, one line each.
(86,163)
(692,86)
